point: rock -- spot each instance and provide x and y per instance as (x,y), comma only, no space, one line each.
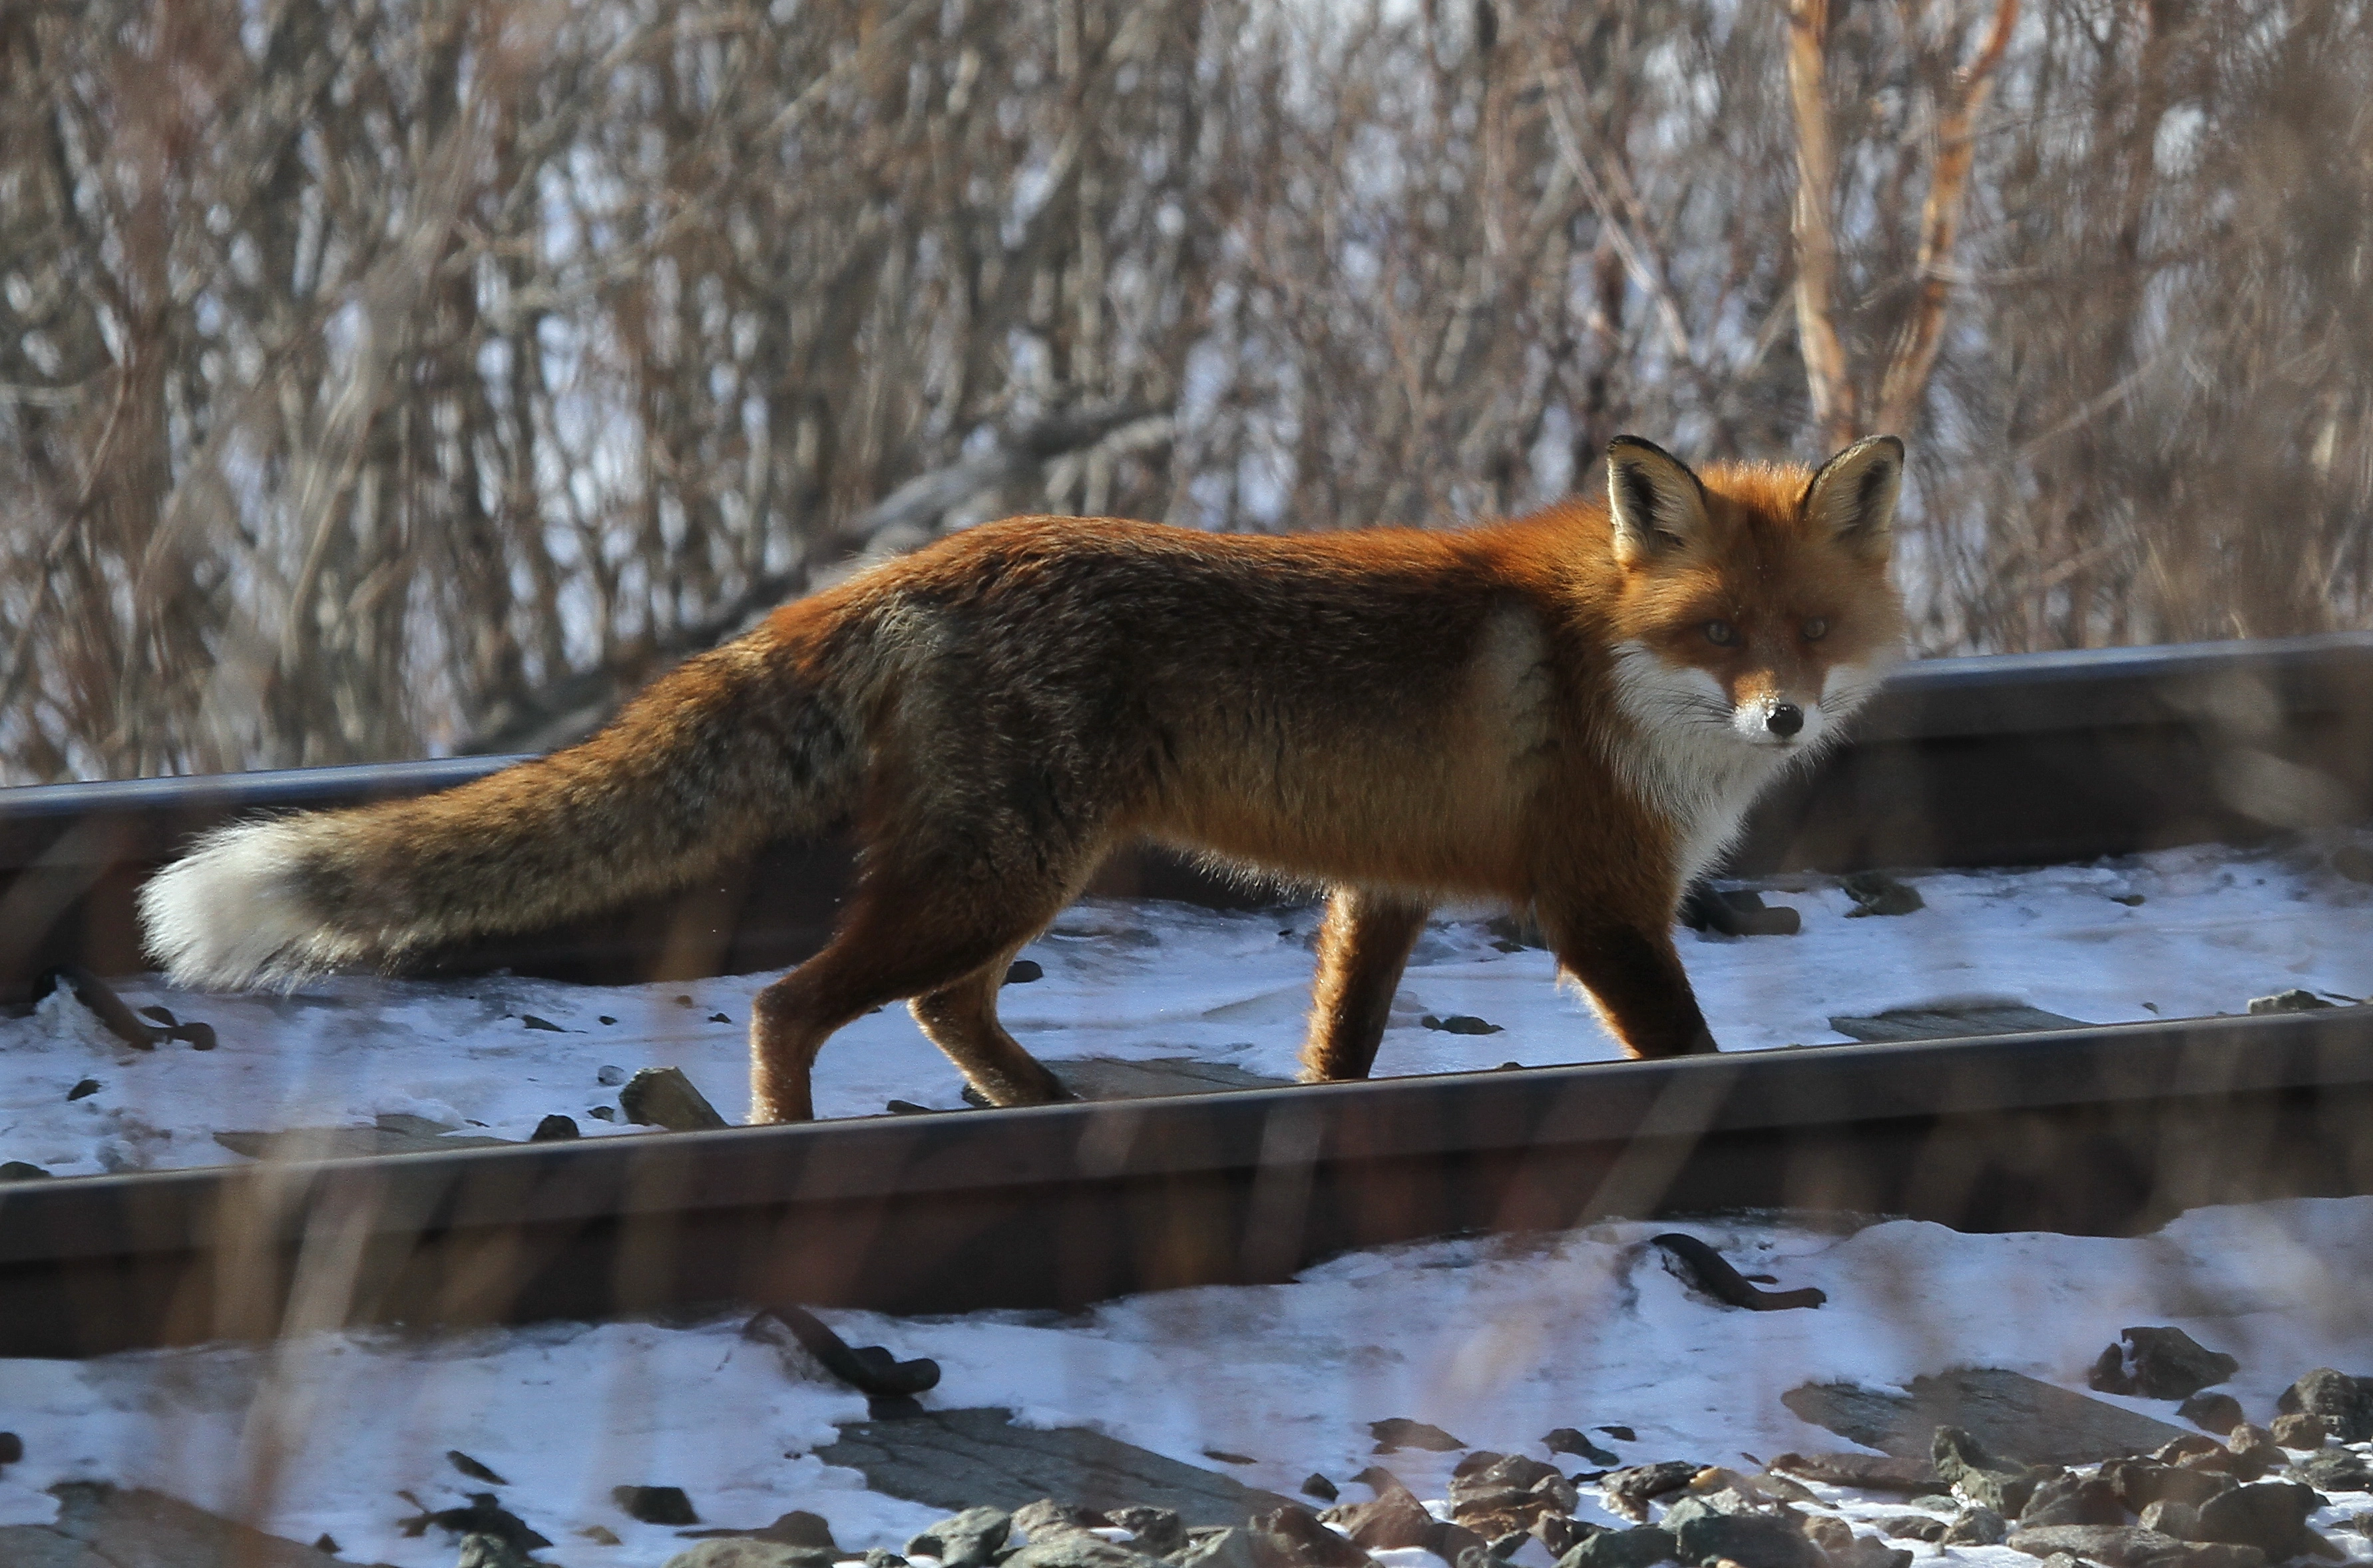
(472,1468)
(1560,1535)
(1318,1486)
(2141,1482)
(663,1097)
(1390,1522)
(1869,1472)
(1844,1549)
(962,1457)
(555,1128)
(2346,1403)
(655,1504)
(99,1526)
(2254,1451)
(1695,1506)
(1568,1440)
(2292,1001)
(2190,1444)
(2020,1418)
(2170,1516)
(1454,1542)
(12,1448)
(1912,1527)
(84,1090)
(2219,1554)
(1231,1547)
(1876,892)
(1641,1547)
(486,1516)
(2335,1469)
(1395,1433)
(1381,1482)
(21,1170)
(2270,1516)
(748,1551)
(1080,1550)
(968,1539)
(1952,1023)
(2160,1364)
(2354,862)
(1978,1474)
(1975,1526)
(1158,1531)
(2072,1499)
(2119,1546)
(2219,1413)
(1631,1491)
(875,1557)
(1295,1535)
(1751,1540)
(1504,1492)
(490,1552)
(609,1077)
(1023,971)
(2299,1431)
(1047,1518)
(1460,1024)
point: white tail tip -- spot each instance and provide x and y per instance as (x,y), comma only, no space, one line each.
(233,913)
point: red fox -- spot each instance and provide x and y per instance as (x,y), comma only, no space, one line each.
(1567,715)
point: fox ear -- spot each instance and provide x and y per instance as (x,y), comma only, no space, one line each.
(1851,499)
(1658,504)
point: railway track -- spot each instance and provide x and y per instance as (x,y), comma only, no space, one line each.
(1973,762)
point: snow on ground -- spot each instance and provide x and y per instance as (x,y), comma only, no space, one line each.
(2214,928)
(1498,1340)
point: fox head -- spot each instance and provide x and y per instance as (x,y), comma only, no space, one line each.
(1752,605)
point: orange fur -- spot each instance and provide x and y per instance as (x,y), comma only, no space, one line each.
(1533,713)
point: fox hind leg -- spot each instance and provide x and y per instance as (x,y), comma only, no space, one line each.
(961,1019)
(1363,948)
(930,937)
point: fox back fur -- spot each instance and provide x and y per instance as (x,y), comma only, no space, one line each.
(1566,714)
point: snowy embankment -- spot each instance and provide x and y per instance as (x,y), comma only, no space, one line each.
(2182,933)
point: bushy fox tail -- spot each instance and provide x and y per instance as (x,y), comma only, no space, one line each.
(737,747)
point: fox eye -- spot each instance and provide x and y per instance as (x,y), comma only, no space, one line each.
(1816,628)
(1721,634)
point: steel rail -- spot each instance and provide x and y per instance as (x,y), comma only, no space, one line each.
(2105,1130)
(2025,759)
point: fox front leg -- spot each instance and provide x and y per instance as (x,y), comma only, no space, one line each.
(1634,975)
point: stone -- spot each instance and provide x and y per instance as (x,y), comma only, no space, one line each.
(2173,1516)
(2271,1515)
(2220,1554)
(555,1128)
(1876,892)
(486,1515)
(1693,1506)
(99,1526)
(1560,1535)
(1912,1527)
(1080,1550)
(1568,1440)
(663,1097)
(963,1457)
(800,1527)
(748,1551)
(1047,1518)
(1952,1023)
(2299,1431)
(1387,1524)
(2292,1001)
(21,1170)
(1231,1547)
(2254,1451)
(655,1504)
(2346,1403)
(1978,1474)
(1023,971)
(1975,1526)
(1157,1532)
(2072,1499)
(1844,1549)
(1868,1472)
(2018,1416)
(1641,1547)
(2119,1546)
(12,1448)
(2335,1469)
(2141,1482)
(968,1539)
(2219,1413)
(1751,1540)
(1295,1535)
(2186,1445)
(2160,1364)
(1629,1492)
(1395,1433)
(491,1551)
(1318,1486)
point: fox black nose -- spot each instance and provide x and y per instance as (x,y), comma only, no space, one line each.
(1786,719)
